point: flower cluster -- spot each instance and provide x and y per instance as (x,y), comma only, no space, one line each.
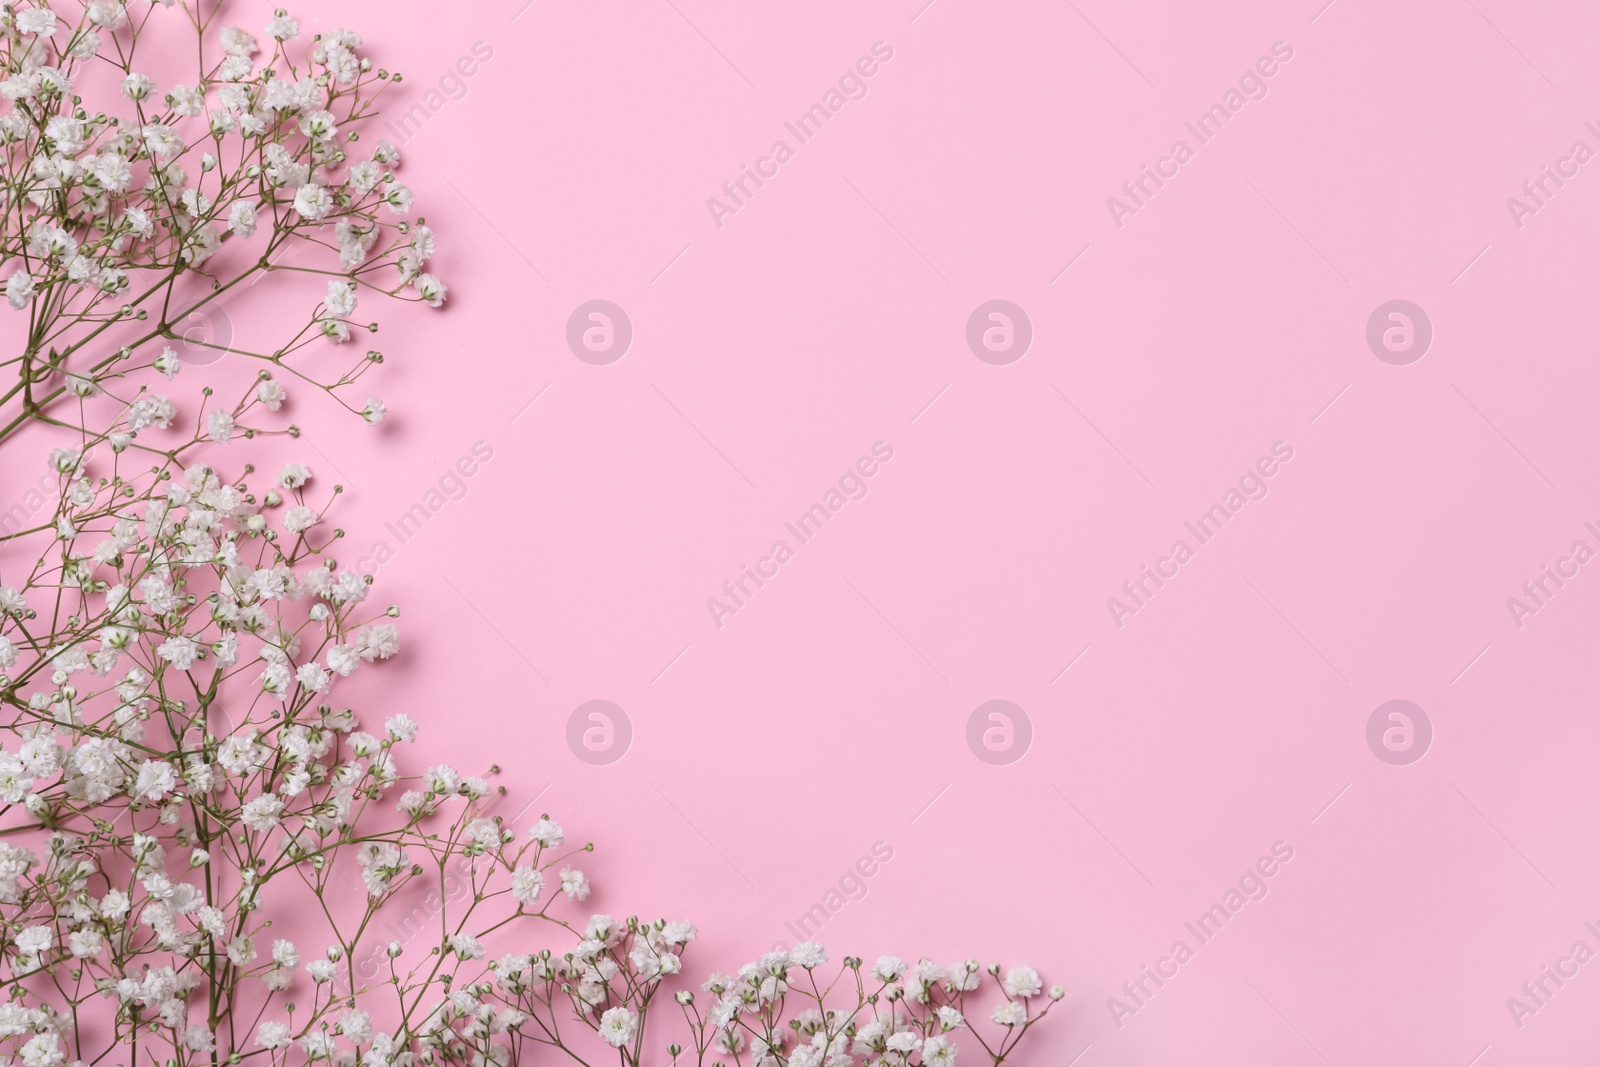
(205,856)
(780,1011)
(132,225)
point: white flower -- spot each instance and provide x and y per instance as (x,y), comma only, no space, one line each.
(679,932)
(1022,982)
(43,1050)
(526,885)
(273,1035)
(294,475)
(378,641)
(312,677)
(341,300)
(237,42)
(1010,1014)
(400,727)
(34,940)
(808,954)
(466,947)
(186,101)
(937,1051)
(431,290)
(966,975)
(312,201)
(575,884)
(356,1025)
(136,86)
(151,409)
(163,141)
(904,1042)
(107,14)
(548,833)
(155,780)
(299,519)
(889,968)
(37,20)
(319,125)
(617,1026)
(85,943)
(12,602)
(283,27)
(262,813)
(19,289)
(167,363)
(399,198)
(242,218)
(181,652)
(375,411)
(219,426)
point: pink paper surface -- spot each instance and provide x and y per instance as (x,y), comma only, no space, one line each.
(1175,342)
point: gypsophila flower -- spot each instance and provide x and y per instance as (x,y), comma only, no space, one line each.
(575,884)
(889,968)
(313,201)
(36,20)
(617,1026)
(294,475)
(282,27)
(465,946)
(430,289)
(187,771)
(1022,982)
(273,1035)
(242,218)
(526,885)
(808,954)
(299,519)
(1010,1014)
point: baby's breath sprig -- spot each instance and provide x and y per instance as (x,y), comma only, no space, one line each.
(184,802)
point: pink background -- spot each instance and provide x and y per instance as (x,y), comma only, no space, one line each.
(1226,315)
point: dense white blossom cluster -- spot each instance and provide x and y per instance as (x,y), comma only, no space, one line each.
(778,1010)
(133,218)
(205,857)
